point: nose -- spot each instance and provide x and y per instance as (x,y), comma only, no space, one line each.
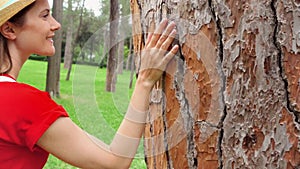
(55,25)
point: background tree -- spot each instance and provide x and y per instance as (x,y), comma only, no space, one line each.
(53,70)
(69,52)
(113,47)
(130,63)
(124,34)
(69,37)
(120,58)
(230,98)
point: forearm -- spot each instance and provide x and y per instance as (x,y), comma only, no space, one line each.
(126,141)
(127,138)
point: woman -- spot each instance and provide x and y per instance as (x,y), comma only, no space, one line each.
(32,125)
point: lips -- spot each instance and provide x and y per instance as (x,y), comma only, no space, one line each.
(50,38)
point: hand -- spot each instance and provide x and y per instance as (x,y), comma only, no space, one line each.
(155,56)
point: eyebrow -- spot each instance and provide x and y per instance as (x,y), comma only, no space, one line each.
(45,10)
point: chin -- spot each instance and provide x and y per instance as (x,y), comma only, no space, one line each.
(49,53)
(45,52)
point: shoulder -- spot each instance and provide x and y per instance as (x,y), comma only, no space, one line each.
(21,90)
(24,96)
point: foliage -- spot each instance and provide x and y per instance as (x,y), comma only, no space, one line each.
(92,27)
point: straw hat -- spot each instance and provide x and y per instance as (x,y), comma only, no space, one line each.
(8,8)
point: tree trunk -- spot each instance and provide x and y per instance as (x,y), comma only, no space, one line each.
(113,46)
(230,98)
(105,43)
(76,36)
(130,56)
(69,38)
(68,48)
(120,56)
(130,63)
(53,70)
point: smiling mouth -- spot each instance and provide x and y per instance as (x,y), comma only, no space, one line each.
(50,39)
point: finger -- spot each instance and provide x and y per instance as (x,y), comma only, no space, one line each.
(149,38)
(158,32)
(169,56)
(165,35)
(169,40)
(169,29)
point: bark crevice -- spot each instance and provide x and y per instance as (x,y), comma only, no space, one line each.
(186,114)
(221,56)
(165,129)
(280,63)
(153,145)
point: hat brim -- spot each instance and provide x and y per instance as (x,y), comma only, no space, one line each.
(12,9)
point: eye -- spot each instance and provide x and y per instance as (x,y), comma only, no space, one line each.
(46,15)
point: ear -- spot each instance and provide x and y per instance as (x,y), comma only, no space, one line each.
(7,30)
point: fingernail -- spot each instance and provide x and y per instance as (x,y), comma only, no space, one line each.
(174,31)
(173,24)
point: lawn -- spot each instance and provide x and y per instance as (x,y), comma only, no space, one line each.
(88,104)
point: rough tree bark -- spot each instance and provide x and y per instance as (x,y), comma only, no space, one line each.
(230,98)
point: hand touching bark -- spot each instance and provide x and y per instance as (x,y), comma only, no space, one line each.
(155,56)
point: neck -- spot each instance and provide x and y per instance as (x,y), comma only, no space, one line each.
(14,74)
(18,59)
(16,67)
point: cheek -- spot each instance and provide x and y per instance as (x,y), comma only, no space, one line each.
(28,43)
(24,41)
(34,40)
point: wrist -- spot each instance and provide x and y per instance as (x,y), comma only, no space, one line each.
(146,85)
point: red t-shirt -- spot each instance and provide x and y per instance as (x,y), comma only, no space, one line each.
(25,114)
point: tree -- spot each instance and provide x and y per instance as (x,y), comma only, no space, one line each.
(82,23)
(120,52)
(130,63)
(113,47)
(53,70)
(230,98)
(124,11)
(69,55)
(69,38)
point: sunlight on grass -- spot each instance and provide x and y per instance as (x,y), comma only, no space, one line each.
(88,104)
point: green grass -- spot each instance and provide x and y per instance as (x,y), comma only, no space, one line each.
(88,104)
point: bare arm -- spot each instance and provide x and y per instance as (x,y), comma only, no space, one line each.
(68,142)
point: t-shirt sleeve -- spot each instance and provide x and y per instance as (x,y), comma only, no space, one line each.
(40,111)
(41,123)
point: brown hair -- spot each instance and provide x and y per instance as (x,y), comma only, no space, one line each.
(5,57)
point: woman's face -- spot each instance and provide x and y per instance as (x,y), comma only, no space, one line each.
(37,32)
